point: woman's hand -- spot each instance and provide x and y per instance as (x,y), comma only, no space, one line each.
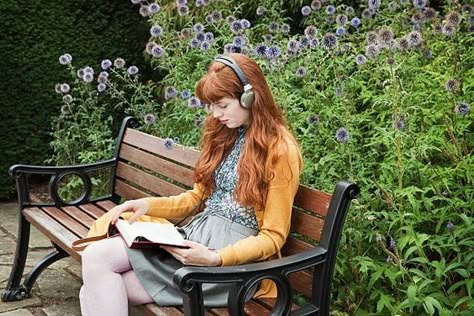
(196,254)
(138,207)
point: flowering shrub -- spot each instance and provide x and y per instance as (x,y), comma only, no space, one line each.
(379,94)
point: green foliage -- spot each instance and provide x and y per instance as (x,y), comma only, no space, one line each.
(389,123)
(33,35)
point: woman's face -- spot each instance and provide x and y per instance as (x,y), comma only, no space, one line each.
(229,112)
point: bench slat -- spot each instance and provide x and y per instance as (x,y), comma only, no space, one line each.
(147,181)
(106,205)
(92,210)
(155,310)
(79,215)
(67,221)
(294,246)
(307,225)
(153,144)
(302,282)
(159,165)
(312,200)
(127,191)
(51,229)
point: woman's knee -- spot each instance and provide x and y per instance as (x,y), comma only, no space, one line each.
(109,253)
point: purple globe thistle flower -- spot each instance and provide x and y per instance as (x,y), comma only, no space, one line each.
(372,37)
(392,244)
(194,102)
(372,51)
(209,19)
(169,143)
(149,119)
(340,31)
(239,41)
(366,14)
(306,10)
(273,27)
(185,94)
(429,14)
(65,59)
(419,4)
(349,10)
(230,19)
(414,38)
(310,31)
(156,31)
(65,109)
(194,43)
(427,54)
(186,32)
(463,108)
(236,49)
(245,24)
(450,226)
(385,35)
(285,29)
(101,87)
(80,73)
(315,5)
(57,88)
(451,85)
(157,51)
(342,135)
(236,27)
(102,79)
(330,10)
(88,77)
(418,18)
(453,18)
(228,48)
(183,10)
(181,2)
(392,6)
(300,72)
(154,8)
(64,88)
(216,15)
(199,3)
(149,47)
(355,22)
(467,8)
(268,38)
(205,45)
(209,36)
(198,27)
(313,119)
(341,19)
(261,50)
(106,64)
(374,4)
(448,29)
(438,28)
(205,2)
(313,42)
(273,52)
(293,46)
(144,11)
(360,59)
(304,42)
(403,43)
(88,70)
(199,121)
(399,122)
(119,63)
(132,70)
(329,41)
(67,98)
(201,36)
(170,92)
(260,11)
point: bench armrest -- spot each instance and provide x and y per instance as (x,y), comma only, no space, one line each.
(245,277)
(22,173)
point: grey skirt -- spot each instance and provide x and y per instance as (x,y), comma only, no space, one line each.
(155,268)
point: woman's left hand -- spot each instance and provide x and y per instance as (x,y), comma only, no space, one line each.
(196,254)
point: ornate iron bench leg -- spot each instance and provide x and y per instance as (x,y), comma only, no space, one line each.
(14,291)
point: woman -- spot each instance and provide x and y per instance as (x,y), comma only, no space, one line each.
(249,173)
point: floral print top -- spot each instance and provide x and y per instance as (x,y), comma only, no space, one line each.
(221,201)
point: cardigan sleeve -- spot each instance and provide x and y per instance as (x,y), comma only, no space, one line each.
(276,221)
(176,207)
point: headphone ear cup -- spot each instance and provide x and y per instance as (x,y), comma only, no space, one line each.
(246,99)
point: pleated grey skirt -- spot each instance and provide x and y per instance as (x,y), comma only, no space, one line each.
(155,268)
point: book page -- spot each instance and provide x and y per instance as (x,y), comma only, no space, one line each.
(155,232)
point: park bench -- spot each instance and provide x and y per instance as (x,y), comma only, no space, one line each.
(143,165)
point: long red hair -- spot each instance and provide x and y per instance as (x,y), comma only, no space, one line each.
(267,131)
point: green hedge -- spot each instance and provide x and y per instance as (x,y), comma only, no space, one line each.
(33,34)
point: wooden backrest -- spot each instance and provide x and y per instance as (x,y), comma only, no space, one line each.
(147,166)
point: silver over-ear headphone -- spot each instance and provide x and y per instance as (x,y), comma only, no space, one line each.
(247,97)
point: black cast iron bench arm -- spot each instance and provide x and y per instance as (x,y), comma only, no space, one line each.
(22,172)
(245,277)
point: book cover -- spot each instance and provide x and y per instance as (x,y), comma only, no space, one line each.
(149,235)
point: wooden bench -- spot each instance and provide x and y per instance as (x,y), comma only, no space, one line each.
(143,165)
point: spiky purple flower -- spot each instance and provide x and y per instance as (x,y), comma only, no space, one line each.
(453,18)
(88,77)
(313,119)
(228,48)
(414,38)
(285,29)
(144,11)
(245,23)
(205,45)
(132,70)
(340,31)
(349,10)
(313,42)
(341,19)
(385,35)
(372,51)
(149,119)
(183,10)
(360,59)
(419,4)
(57,88)
(194,43)
(230,19)
(106,64)
(329,41)
(463,108)
(293,46)
(273,52)
(209,36)
(448,29)
(300,72)
(366,14)
(154,8)
(169,143)
(64,88)
(330,10)
(374,4)
(451,85)
(310,31)
(355,22)
(156,31)
(261,50)
(342,135)
(273,27)
(65,59)
(306,10)
(450,226)
(181,2)
(392,6)
(198,27)
(392,244)
(67,98)
(239,41)
(199,3)
(170,92)
(119,63)
(236,27)
(194,102)
(201,36)
(88,70)
(260,11)
(157,51)
(316,5)
(185,94)
(101,87)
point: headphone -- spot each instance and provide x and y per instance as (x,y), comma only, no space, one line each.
(248,96)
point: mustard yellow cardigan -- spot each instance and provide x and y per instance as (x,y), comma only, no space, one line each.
(273,220)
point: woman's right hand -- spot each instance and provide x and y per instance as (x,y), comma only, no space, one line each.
(138,207)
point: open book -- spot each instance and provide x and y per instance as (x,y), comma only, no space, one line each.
(146,234)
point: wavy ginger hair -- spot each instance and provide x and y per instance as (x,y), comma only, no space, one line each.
(266,132)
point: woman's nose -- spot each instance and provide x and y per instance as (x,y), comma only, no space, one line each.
(216,113)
